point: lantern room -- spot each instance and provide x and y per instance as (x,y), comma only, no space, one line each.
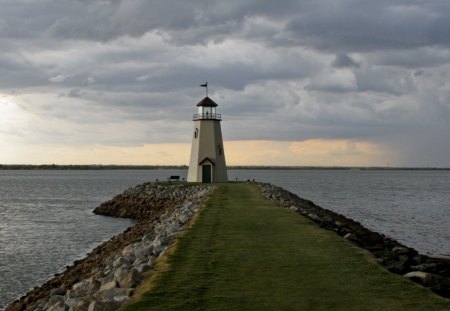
(207,110)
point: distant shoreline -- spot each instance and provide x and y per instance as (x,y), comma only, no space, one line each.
(185,167)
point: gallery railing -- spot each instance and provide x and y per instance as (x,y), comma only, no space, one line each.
(207,116)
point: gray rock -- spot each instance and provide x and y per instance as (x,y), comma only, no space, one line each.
(103,306)
(109,285)
(58,291)
(314,217)
(128,249)
(83,305)
(148,237)
(349,236)
(113,295)
(127,278)
(424,266)
(83,288)
(59,306)
(109,260)
(72,302)
(121,262)
(55,299)
(417,276)
(400,250)
(143,268)
(144,252)
(183,219)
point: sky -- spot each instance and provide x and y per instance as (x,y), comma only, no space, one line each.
(305,82)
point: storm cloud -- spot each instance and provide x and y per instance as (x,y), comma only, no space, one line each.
(126,73)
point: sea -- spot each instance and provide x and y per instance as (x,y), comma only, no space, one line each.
(46,219)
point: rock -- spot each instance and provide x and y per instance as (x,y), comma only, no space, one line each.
(400,266)
(314,217)
(348,236)
(109,260)
(127,278)
(83,305)
(128,250)
(59,306)
(103,306)
(72,302)
(143,268)
(113,295)
(144,252)
(55,299)
(400,250)
(109,285)
(437,283)
(121,262)
(83,288)
(148,237)
(171,229)
(158,246)
(182,219)
(58,291)
(424,266)
(416,276)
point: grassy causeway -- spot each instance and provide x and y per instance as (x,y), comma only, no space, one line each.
(245,253)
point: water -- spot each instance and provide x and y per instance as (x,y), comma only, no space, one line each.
(46,219)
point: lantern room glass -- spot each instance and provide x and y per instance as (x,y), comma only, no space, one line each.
(207,112)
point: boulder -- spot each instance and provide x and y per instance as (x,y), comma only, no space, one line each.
(55,299)
(314,217)
(113,294)
(103,306)
(424,266)
(72,302)
(121,262)
(127,278)
(58,291)
(59,306)
(129,249)
(416,276)
(143,252)
(108,285)
(83,288)
(83,305)
(143,268)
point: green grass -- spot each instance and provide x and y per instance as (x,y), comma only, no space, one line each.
(245,253)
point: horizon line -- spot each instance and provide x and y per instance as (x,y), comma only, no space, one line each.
(184,166)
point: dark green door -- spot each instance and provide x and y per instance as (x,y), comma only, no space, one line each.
(206,173)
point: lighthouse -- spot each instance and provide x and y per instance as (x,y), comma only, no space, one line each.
(207,162)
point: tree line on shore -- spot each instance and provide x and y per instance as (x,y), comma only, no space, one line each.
(185,167)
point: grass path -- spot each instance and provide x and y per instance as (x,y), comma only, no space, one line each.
(245,253)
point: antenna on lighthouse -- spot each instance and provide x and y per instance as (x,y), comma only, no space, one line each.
(206,86)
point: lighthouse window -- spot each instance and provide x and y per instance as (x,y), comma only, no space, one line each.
(196,133)
(219,149)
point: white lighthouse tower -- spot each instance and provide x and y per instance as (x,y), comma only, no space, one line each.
(207,162)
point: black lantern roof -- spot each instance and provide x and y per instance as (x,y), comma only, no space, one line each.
(206,102)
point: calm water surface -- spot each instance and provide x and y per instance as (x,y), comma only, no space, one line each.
(46,219)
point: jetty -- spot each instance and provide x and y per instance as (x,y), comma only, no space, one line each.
(239,246)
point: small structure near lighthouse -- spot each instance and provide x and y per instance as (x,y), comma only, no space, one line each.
(207,162)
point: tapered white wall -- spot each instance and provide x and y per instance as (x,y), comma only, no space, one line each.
(207,144)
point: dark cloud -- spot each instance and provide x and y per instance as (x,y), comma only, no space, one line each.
(368,70)
(344,61)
